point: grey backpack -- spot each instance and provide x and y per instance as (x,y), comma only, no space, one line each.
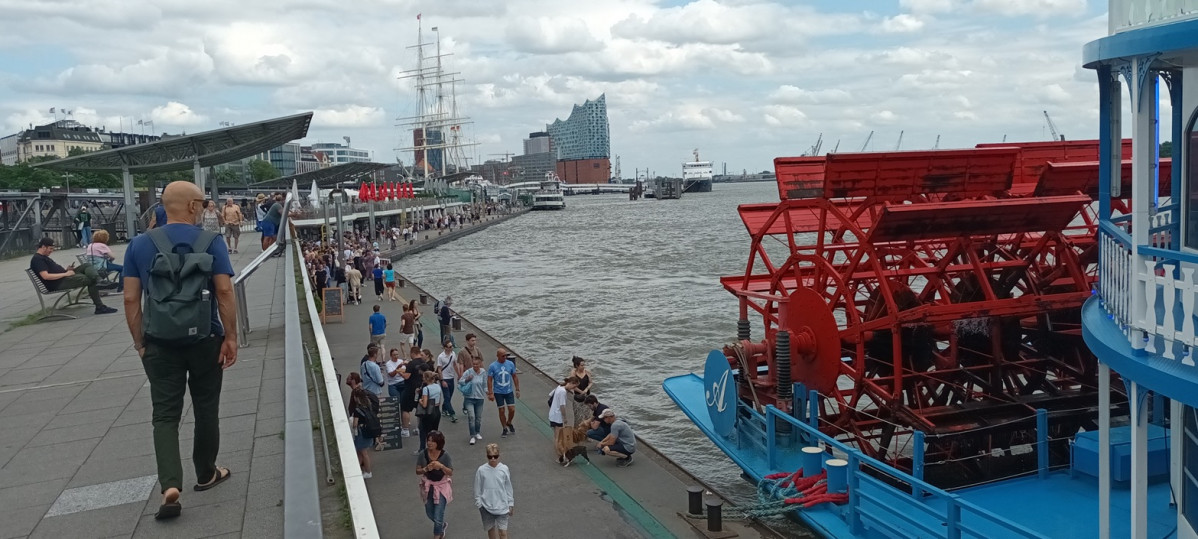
(178,304)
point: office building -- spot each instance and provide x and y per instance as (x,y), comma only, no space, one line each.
(285,158)
(337,154)
(537,142)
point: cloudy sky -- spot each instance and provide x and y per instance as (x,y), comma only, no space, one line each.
(743,81)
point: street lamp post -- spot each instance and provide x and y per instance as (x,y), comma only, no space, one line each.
(340,195)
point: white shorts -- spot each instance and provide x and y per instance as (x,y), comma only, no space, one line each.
(410,337)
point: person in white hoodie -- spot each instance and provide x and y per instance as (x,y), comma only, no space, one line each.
(493,494)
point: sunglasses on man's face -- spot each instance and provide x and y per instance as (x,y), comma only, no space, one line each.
(492,457)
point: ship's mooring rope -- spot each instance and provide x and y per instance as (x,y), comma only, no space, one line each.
(782,493)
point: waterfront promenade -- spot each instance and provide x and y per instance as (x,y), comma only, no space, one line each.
(76,452)
(598,499)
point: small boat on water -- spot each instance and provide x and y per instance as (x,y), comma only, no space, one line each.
(549,196)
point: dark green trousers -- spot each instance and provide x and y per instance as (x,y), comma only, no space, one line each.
(171,371)
(85,275)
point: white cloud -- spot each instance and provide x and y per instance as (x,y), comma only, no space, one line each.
(691,116)
(166,72)
(1038,8)
(783,116)
(927,6)
(348,116)
(175,114)
(544,35)
(793,94)
(1009,8)
(902,23)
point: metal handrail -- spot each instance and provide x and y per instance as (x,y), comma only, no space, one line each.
(357,497)
(32,204)
(243,321)
(301,499)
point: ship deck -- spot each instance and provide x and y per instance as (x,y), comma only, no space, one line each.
(1059,506)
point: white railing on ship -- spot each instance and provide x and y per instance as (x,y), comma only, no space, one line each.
(1161,231)
(1166,278)
(1114,278)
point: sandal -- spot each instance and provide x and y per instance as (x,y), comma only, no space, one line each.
(169,509)
(221,475)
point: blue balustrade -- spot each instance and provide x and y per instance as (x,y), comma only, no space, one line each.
(875,506)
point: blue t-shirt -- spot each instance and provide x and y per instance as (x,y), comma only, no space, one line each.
(378,273)
(372,376)
(378,324)
(160,216)
(501,377)
(389,276)
(434,394)
(140,256)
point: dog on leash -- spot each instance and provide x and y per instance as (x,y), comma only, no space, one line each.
(574,452)
(578,436)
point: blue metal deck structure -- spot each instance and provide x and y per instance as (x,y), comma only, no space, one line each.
(1053,504)
(1140,323)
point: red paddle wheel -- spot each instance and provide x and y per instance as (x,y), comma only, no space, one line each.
(937,291)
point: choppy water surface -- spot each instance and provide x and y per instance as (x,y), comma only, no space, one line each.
(631,286)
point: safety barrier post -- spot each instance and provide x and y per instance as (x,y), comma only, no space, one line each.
(1042,442)
(854,499)
(813,409)
(771,435)
(954,518)
(917,449)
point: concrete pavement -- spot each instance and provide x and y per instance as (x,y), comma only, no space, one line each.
(76,453)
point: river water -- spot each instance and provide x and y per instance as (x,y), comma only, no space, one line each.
(631,286)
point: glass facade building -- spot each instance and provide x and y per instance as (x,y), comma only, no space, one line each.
(585,134)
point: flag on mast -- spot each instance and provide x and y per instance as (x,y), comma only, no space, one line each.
(417,16)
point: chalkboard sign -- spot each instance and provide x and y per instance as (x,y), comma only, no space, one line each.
(332,304)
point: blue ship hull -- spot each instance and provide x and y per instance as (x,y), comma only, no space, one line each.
(1057,504)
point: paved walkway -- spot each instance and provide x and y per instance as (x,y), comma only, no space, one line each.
(585,500)
(76,452)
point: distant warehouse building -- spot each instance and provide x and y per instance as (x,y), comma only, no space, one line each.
(582,143)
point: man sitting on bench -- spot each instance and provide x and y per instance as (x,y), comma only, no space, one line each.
(57,279)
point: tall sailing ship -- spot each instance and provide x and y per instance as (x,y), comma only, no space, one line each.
(436,127)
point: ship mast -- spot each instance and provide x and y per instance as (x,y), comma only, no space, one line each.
(433,115)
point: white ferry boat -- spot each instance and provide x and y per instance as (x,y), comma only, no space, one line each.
(549,196)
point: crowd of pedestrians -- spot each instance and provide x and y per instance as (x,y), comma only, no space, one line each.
(434,390)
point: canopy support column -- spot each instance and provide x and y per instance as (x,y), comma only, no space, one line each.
(130,205)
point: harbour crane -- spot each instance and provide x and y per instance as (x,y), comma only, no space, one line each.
(867,139)
(814,149)
(1052,128)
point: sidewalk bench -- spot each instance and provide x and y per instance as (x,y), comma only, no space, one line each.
(42,291)
(101,265)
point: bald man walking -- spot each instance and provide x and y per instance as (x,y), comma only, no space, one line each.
(173,365)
